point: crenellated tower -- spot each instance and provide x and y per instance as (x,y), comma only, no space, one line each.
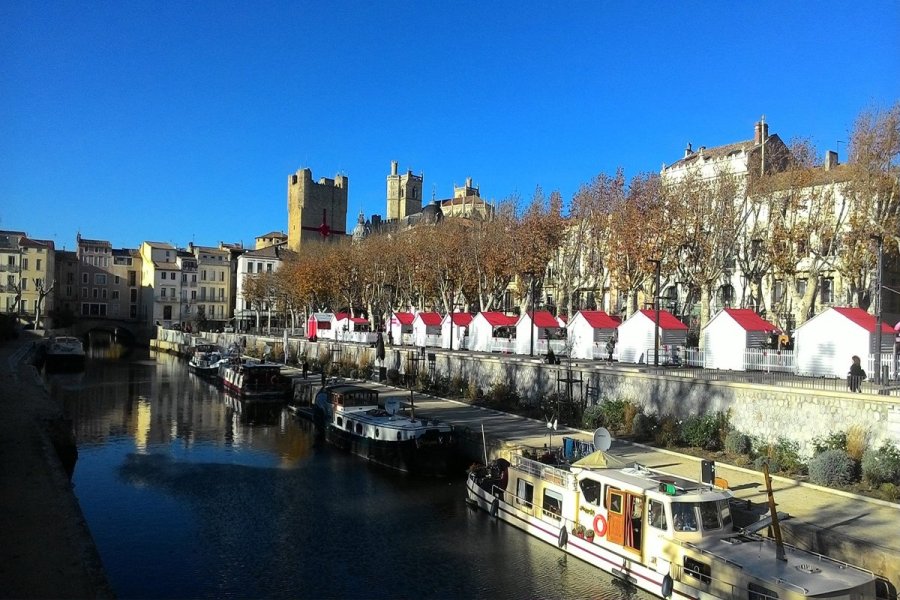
(316,210)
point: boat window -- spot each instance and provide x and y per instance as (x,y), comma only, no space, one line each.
(697,570)
(349,426)
(725,513)
(552,504)
(399,435)
(683,516)
(606,495)
(615,501)
(340,421)
(591,490)
(377,433)
(709,515)
(524,493)
(758,592)
(359,428)
(656,514)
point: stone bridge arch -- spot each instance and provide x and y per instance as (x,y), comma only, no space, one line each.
(133,331)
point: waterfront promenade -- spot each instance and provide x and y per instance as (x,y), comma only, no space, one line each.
(46,550)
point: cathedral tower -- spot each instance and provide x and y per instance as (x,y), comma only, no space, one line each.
(316,211)
(404,193)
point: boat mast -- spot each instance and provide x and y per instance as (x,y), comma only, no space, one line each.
(776,527)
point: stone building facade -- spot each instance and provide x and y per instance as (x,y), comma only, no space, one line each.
(316,210)
(404,193)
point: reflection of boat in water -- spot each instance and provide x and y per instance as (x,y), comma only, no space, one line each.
(670,536)
(258,381)
(251,410)
(354,421)
(64,352)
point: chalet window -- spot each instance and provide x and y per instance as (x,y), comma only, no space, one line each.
(758,592)
(697,570)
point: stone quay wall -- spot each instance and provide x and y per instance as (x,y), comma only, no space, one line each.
(766,411)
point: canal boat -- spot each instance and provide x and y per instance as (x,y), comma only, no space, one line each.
(667,535)
(353,420)
(64,352)
(205,359)
(256,381)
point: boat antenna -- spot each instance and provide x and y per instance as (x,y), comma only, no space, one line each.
(776,527)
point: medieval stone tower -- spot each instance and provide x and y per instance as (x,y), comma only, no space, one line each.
(316,211)
(404,193)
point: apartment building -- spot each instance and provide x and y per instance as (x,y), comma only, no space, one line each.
(209,288)
(27,269)
(161,283)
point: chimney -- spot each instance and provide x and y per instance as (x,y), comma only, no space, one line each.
(393,167)
(688,151)
(831,160)
(468,182)
(760,132)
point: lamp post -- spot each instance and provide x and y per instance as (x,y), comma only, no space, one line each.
(531,344)
(656,262)
(880,240)
(451,307)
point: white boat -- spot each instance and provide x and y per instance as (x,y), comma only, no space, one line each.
(256,381)
(669,536)
(64,352)
(352,420)
(205,359)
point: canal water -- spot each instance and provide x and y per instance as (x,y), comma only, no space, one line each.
(188,497)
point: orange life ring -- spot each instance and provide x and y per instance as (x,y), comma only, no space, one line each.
(600,525)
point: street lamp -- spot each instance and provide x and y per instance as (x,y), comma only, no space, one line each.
(656,262)
(880,240)
(451,307)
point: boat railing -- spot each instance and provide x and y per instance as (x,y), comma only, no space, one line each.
(530,507)
(549,473)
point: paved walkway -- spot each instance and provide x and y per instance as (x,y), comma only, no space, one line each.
(46,550)
(858,530)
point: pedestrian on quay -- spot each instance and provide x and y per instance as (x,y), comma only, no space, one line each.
(856,375)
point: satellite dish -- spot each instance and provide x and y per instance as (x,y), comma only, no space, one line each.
(602,439)
(391,405)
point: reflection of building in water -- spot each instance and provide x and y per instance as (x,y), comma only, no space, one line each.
(157,402)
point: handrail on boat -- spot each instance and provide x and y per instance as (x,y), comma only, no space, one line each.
(549,473)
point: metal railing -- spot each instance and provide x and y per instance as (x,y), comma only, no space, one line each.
(503,345)
(767,359)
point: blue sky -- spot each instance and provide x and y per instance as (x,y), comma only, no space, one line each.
(181,121)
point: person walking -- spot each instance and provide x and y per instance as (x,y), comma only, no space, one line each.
(856,375)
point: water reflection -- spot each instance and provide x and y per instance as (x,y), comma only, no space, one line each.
(187,495)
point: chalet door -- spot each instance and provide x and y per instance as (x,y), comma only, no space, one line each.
(616,517)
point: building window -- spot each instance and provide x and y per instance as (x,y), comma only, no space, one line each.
(162,292)
(778,291)
(184,278)
(84,278)
(203,275)
(827,290)
(221,275)
(99,279)
(173,276)
(68,291)
(84,292)
(38,261)
(24,264)
(250,267)
(193,294)
(801,287)
(117,280)
(95,292)
(103,293)
(133,295)
(132,277)
(115,294)
(23,284)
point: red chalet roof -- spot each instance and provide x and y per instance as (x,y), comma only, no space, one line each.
(498,319)
(461,319)
(358,320)
(405,318)
(666,319)
(863,319)
(431,319)
(543,319)
(599,319)
(749,320)
(341,316)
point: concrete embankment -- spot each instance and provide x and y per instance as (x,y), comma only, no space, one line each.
(47,550)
